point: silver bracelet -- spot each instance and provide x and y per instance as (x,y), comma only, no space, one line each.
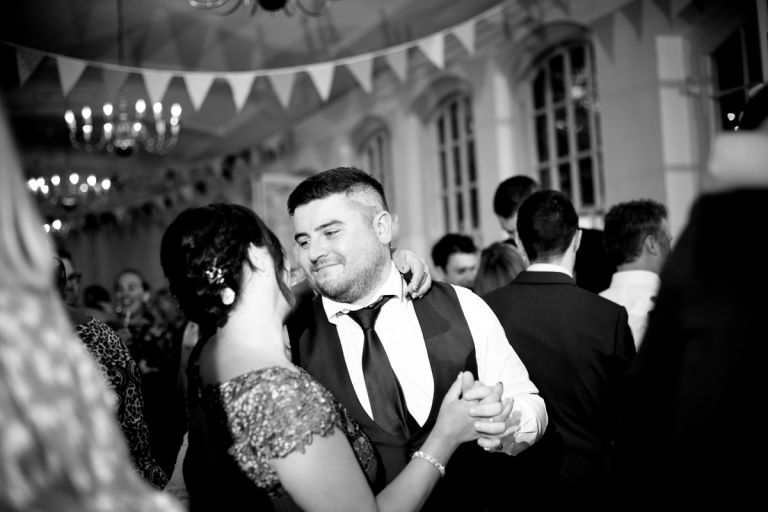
(427,457)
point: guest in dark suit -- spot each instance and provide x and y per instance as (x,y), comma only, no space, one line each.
(577,347)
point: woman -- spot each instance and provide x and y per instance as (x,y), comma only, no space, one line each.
(156,349)
(499,264)
(259,426)
(61,448)
(124,379)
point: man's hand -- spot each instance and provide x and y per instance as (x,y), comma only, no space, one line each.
(495,421)
(410,264)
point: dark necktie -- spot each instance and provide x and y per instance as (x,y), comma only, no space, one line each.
(384,392)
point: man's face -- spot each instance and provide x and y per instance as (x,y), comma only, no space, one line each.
(344,254)
(461,269)
(509,224)
(72,286)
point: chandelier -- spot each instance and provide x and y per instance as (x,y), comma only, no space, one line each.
(121,130)
(290,7)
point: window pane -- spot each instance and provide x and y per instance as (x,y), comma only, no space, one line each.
(471,161)
(542,142)
(443,170)
(475,208)
(460,210)
(577,61)
(564,175)
(441,130)
(752,46)
(446,212)
(729,108)
(729,69)
(468,120)
(561,131)
(454,113)
(586,182)
(539,89)
(557,78)
(581,125)
(457,166)
(544,178)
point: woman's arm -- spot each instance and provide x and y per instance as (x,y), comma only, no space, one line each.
(327,477)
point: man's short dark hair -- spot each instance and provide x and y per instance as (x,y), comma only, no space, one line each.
(511,193)
(340,180)
(546,224)
(626,226)
(450,244)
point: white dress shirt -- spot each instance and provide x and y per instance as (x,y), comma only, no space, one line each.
(548,267)
(636,291)
(400,333)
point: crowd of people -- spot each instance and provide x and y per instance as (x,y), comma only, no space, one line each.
(535,374)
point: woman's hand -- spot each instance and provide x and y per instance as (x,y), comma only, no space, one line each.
(415,270)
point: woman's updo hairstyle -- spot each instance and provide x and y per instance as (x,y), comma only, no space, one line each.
(203,251)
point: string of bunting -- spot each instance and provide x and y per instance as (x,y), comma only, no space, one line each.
(198,83)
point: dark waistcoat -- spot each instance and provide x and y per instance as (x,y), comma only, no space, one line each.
(316,347)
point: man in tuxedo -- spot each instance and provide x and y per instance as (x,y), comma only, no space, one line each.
(343,230)
(577,347)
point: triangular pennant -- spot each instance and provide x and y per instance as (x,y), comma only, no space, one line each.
(241,84)
(398,63)
(664,6)
(322,76)
(282,84)
(363,72)
(69,72)
(198,85)
(113,81)
(433,48)
(26,63)
(157,82)
(633,12)
(466,34)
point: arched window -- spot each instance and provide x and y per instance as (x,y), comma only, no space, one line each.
(455,137)
(566,125)
(372,139)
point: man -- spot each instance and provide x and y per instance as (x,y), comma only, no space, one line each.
(638,241)
(508,197)
(71,295)
(577,347)
(343,230)
(456,256)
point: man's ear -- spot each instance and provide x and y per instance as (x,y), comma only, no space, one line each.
(382,224)
(651,244)
(576,241)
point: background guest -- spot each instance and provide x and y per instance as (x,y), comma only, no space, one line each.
(499,264)
(455,255)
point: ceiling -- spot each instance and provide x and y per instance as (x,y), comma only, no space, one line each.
(172,35)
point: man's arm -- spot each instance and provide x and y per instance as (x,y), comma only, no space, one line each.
(498,362)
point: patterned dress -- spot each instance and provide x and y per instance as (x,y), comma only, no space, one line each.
(60,445)
(124,379)
(258,416)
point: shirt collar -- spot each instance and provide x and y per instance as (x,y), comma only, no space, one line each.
(394,285)
(548,267)
(623,277)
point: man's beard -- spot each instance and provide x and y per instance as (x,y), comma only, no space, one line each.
(357,282)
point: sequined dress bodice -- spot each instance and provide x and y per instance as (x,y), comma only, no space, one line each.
(269,413)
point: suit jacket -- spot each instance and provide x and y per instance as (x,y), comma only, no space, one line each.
(577,347)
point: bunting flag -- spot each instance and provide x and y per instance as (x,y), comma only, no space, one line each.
(633,13)
(69,72)
(282,84)
(113,81)
(465,33)
(398,63)
(603,29)
(241,84)
(26,63)
(322,76)
(433,47)
(198,85)
(157,84)
(362,70)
